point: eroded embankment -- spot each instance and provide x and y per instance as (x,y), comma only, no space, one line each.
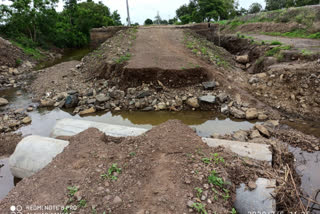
(277,74)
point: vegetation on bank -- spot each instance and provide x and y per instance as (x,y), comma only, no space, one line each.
(36,23)
(305,16)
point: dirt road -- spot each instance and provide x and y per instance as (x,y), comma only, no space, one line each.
(161,48)
(299,43)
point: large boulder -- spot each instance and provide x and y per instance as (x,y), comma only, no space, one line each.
(34,153)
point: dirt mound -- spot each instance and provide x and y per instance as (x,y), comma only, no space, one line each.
(10,55)
(167,170)
(8,143)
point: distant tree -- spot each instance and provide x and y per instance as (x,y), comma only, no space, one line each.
(116,18)
(255,8)
(164,22)
(173,21)
(242,11)
(148,22)
(279,4)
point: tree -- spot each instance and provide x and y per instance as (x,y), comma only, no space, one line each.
(148,22)
(255,8)
(116,18)
(164,22)
(275,4)
(173,21)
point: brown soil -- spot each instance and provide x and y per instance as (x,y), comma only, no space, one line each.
(9,54)
(8,143)
(61,77)
(159,173)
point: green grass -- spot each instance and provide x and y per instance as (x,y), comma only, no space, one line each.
(72,190)
(113,169)
(274,51)
(295,34)
(123,58)
(306,52)
(215,180)
(199,192)
(200,208)
(275,43)
(29,51)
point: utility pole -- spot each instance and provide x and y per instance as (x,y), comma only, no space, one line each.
(129,23)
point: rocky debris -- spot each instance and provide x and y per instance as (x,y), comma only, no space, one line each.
(71,101)
(101,98)
(244,59)
(87,111)
(209,85)
(224,109)
(251,114)
(208,99)
(263,130)
(26,120)
(144,94)
(240,135)
(193,102)
(222,97)
(3,102)
(255,134)
(47,103)
(237,113)
(252,185)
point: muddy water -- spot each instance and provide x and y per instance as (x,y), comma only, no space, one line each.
(308,167)
(72,54)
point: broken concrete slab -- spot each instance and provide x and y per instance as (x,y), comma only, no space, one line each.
(71,127)
(34,153)
(259,200)
(252,150)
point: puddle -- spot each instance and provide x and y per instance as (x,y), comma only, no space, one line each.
(308,167)
(69,55)
(206,123)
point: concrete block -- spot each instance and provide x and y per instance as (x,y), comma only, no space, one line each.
(34,153)
(258,200)
(252,150)
(70,127)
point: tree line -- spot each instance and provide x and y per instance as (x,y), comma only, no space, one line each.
(34,23)
(212,10)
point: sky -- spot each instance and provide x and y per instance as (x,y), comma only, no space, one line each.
(140,10)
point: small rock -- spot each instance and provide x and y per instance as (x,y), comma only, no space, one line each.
(208,99)
(193,102)
(144,94)
(47,103)
(88,111)
(252,185)
(240,135)
(224,109)
(190,204)
(251,114)
(30,109)
(237,113)
(101,98)
(262,116)
(255,134)
(253,80)
(117,200)
(3,101)
(117,108)
(263,130)
(209,85)
(26,120)
(72,92)
(222,97)
(71,101)
(149,108)
(243,59)
(161,106)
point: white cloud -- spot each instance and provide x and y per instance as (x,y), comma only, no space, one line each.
(140,10)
